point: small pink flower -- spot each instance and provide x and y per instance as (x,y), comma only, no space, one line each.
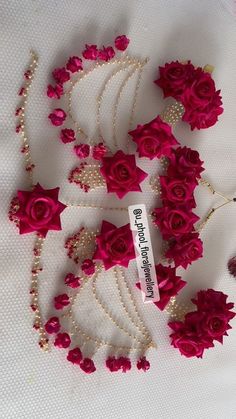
(125,364)
(75,356)
(62,340)
(55,92)
(121,42)
(57,117)
(106,54)
(99,151)
(82,150)
(74,64)
(67,135)
(87,365)
(61,301)
(113,364)
(72,281)
(143,364)
(52,325)
(90,52)
(88,267)
(61,75)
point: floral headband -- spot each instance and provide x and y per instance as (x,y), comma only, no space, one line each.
(112,248)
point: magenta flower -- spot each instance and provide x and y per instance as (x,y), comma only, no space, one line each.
(121,42)
(52,325)
(114,245)
(121,174)
(57,117)
(74,64)
(39,210)
(67,135)
(90,52)
(62,341)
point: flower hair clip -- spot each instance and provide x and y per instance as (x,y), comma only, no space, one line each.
(195,89)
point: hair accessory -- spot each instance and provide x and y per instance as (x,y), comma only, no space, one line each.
(37,210)
(195,89)
(118,172)
(201,328)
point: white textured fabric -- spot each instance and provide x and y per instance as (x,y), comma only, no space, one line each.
(37,385)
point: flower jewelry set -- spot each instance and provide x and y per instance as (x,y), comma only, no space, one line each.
(111,248)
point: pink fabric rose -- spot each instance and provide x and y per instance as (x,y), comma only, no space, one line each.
(174,222)
(114,245)
(178,191)
(57,117)
(121,174)
(201,101)
(169,284)
(121,42)
(106,54)
(67,135)
(185,162)
(201,327)
(88,267)
(201,91)
(211,300)
(75,356)
(87,365)
(125,364)
(185,250)
(72,281)
(113,364)
(61,75)
(204,117)
(54,92)
(154,139)
(52,325)
(61,301)
(99,151)
(62,341)
(82,150)
(74,64)
(90,52)
(143,364)
(39,210)
(174,78)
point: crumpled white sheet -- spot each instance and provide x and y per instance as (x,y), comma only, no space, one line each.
(34,384)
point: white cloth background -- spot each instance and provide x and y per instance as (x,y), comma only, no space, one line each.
(37,385)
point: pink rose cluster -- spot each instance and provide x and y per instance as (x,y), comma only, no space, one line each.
(195,89)
(175,218)
(200,328)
